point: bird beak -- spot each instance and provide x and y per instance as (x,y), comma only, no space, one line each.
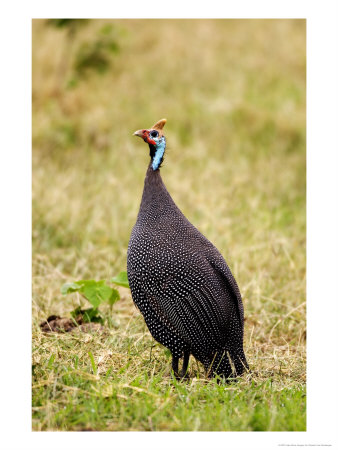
(138,133)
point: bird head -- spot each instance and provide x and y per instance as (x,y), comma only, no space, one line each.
(155,138)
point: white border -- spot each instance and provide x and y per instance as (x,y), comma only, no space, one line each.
(322,120)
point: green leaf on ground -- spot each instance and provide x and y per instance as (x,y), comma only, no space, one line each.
(121,280)
(115,295)
(87,315)
(68,288)
(94,291)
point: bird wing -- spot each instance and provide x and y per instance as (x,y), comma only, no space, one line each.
(197,301)
(221,267)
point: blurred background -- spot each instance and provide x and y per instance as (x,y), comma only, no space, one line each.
(233,93)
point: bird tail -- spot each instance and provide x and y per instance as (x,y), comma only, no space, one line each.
(239,361)
(220,364)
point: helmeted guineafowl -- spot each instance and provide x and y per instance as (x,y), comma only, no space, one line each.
(179,281)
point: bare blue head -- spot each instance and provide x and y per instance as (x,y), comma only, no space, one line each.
(155,138)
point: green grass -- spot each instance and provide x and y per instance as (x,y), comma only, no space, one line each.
(103,382)
(234,95)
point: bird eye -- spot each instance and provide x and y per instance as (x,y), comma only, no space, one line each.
(154,133)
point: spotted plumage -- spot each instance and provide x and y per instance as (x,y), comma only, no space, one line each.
(180,282)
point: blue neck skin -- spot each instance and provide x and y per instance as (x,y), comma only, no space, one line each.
(159,152)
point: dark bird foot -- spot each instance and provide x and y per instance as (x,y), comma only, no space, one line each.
(183,373)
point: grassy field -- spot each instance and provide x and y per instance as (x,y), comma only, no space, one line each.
(233,92)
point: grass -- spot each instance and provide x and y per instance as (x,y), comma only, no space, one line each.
(233,92)
(121,388)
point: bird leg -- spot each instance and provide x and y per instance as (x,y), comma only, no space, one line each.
(174,366)
(186,355)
